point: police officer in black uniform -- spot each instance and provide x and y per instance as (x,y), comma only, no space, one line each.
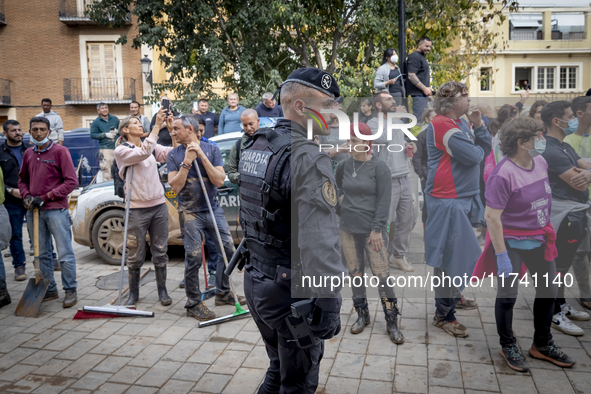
(288,199)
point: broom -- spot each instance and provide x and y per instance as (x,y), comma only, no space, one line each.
(120,309)
(239,313)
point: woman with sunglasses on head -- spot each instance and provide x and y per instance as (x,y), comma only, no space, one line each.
(518,198)
(148,212)
(365,185)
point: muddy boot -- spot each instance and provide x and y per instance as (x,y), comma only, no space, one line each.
(134,286)
(161,285)
(200,312)
(4,298)
(362,319)
(392,325)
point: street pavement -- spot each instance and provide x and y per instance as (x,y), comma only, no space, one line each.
(170,354)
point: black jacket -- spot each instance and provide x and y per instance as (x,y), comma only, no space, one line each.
(10,169)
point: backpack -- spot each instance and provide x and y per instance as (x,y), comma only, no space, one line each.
(118,183)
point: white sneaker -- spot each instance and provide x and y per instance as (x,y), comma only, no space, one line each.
(401,264)
(574,314)
(563,323)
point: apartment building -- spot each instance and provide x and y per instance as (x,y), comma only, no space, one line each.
(52,49)
(543,47)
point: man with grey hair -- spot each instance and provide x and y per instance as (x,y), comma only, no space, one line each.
(194,216)
(105,129)
(250,123)
(268,108)
(453,196)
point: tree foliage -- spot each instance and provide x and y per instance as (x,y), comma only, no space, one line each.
(252,46)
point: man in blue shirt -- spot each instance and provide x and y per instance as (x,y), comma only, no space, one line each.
(194,217)
(268,108)
(211,120)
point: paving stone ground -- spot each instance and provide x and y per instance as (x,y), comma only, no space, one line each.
(169,354)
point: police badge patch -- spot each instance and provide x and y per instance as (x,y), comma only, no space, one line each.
(329,193)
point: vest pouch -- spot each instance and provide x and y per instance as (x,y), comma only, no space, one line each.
(283,277)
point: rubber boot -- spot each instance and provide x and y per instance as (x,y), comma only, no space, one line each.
(362,319)
(134,286)
(392,325)
(161,285)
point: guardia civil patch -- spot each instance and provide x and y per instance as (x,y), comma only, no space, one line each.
(329,193)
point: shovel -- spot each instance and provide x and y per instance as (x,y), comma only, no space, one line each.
(30,303)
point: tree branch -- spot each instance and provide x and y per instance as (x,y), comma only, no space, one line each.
(223,26)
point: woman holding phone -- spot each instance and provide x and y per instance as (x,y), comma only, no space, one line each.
(389,78)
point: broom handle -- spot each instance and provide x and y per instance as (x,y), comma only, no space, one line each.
(127,287)
(127,205)
(215,225)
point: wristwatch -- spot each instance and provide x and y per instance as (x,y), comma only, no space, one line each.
(8,189)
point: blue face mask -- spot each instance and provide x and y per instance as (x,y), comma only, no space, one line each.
(539,148)
(573,124)
(40,143)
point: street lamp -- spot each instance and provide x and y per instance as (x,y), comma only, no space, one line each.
(146,70)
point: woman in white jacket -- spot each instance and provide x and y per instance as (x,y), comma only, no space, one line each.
(148,212)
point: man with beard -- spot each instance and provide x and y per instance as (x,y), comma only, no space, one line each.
(419,77)
(250,122)
(11,160)
(287,210)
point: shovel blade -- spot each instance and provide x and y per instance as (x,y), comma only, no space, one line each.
(30,303)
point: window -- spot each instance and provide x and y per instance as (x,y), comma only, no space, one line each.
(486,79)
(545,78)
(522,77)
(102,70)
(568,77)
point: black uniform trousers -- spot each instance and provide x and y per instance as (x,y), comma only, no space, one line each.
(291,369)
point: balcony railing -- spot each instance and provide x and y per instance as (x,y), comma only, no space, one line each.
(5,92)
(573,35)
(73,14)
(96,90)
(526,35)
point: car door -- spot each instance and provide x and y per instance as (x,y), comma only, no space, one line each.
(228,193)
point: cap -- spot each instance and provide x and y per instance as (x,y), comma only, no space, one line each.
(313,78)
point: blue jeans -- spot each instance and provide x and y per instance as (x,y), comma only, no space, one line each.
(192,224)
(212,253)
(16,213)
(56,223)
(419,104)
(446,297)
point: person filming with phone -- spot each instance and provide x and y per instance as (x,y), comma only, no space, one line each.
(389,78)
(164,137)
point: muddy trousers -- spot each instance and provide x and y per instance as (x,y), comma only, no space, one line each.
(568,238)
(356,249)
(193,225)
(291,369)
(152,221)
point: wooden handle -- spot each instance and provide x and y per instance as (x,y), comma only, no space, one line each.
(127,287)
(36,236)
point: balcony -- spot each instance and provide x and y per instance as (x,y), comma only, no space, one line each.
(5,92)
(74,13)
(80,91)
(526,35)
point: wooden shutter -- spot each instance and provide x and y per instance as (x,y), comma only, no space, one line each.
(102,70)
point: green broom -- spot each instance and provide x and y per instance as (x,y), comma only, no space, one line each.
(239,313)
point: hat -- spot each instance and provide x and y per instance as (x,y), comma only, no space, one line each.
(313,78)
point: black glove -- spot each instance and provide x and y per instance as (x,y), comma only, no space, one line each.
(323,323)
(31,203)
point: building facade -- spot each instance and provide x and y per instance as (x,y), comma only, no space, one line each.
(544,49)
(51,49)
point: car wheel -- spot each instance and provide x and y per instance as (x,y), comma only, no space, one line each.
(107,236)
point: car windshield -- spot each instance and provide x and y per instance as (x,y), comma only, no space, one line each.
(225,147)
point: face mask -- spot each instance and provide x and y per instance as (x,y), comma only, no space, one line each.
(40,143)
(573,124)
(394,59)
(539,148)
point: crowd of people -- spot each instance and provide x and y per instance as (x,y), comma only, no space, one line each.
(523,177)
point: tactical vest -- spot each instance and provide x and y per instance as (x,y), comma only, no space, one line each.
(264,212)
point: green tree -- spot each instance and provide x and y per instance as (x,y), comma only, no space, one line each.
(252,46)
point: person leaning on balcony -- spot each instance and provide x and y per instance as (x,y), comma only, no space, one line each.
(104,129)
(55,122)
(230,116)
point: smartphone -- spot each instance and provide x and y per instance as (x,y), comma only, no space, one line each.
(195,106)
(166,104)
